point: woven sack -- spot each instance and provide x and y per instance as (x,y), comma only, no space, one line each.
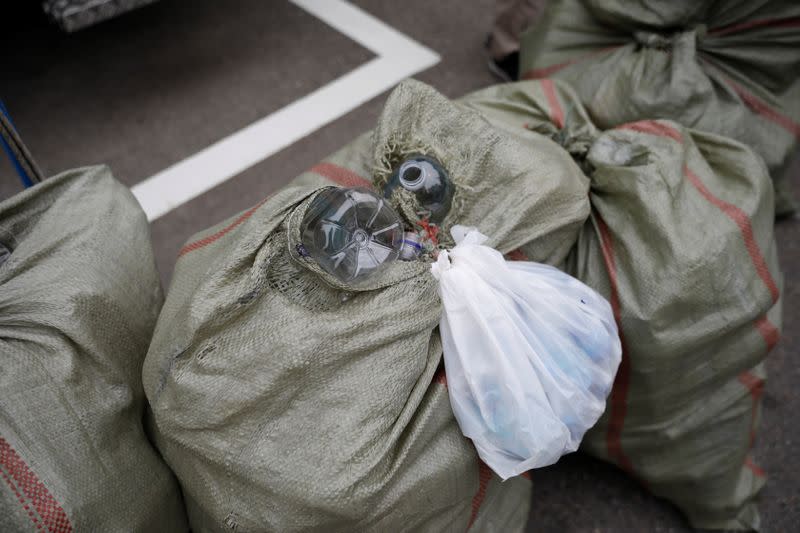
(726,67)
(79,298)
(680,240)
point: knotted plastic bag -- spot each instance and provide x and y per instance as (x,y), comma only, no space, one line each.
(530,354)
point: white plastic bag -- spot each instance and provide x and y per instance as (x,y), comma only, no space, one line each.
(530,354)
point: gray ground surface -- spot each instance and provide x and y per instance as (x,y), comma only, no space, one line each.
(149,89)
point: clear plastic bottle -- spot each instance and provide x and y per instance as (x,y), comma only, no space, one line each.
(351,233)
(427,179)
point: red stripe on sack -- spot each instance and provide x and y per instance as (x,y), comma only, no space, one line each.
(757,470)
(340,175)
(526,475)
(792,22)
(755,385)
(484,476)
(619,392)
(546,72)
(763,109)
(746,229)
(21,500)
(53,516)
(556,113)
(516,255)
(733,212)
(205,241)
(653,128)
(769,332)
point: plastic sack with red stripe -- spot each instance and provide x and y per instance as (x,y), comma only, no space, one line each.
(530,354)
(307,397)
(680,241)
(722,66)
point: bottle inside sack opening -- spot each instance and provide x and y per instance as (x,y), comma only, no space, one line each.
(540,348)
(351,233)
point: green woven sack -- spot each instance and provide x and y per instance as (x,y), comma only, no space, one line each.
(726,67)
(680,240)
(79,298)
(287,400)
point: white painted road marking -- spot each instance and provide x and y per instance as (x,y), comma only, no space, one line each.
(398,58)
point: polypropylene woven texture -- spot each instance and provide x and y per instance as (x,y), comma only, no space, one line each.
(79,297)
(680,240)
(726,67)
